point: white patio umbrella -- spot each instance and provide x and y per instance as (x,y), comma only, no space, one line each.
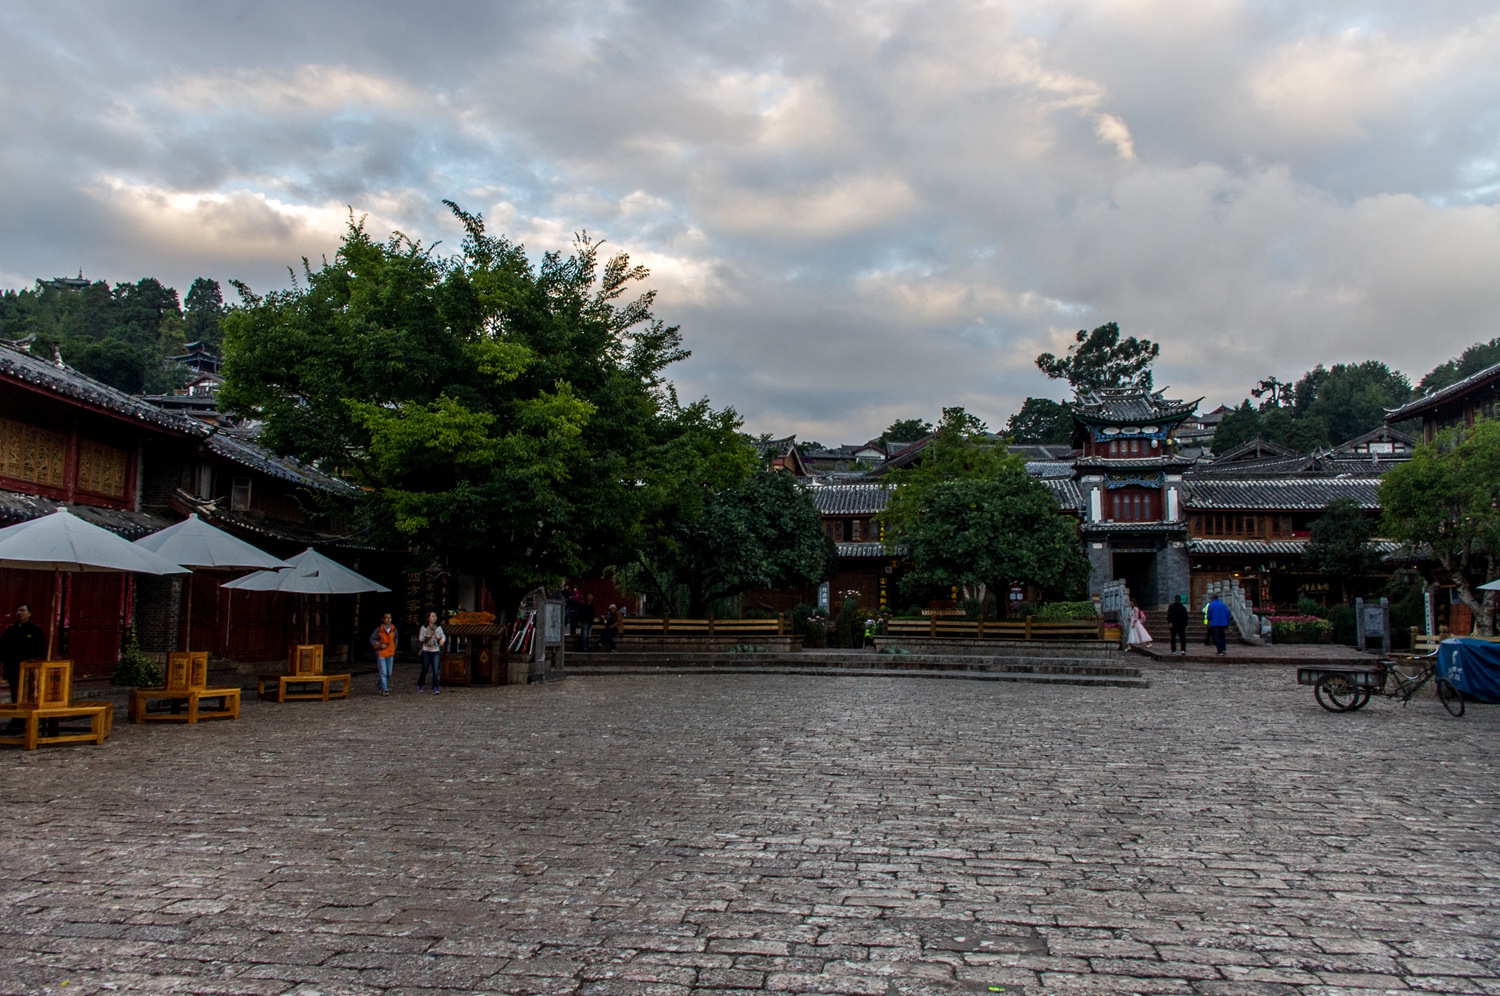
(308,573)
(64,542)
(196,544)
(1491,586)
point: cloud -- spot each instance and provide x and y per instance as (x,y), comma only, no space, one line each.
(857,212)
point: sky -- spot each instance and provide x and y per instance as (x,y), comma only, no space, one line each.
(857,212)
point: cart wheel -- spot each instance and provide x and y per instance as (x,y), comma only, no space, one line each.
(1452,698)
(1361,702)
(1336,693)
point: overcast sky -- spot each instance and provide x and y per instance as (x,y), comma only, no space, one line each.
(857,212)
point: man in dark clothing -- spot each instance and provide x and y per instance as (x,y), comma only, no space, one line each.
(23,641)
(1177,620)
(1218,623)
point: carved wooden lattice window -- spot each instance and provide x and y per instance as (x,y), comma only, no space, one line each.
(28,453)
(101,469)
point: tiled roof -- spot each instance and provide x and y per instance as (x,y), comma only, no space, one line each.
(1049,468)
(16,507)
(1066,492)
(1256,547)
(1134,527)
(1435,400)
(240,446)
(66,381)
(1129,405)
(1142,463)
(1309,493)
(850,499)
(868,550)
(1041,451)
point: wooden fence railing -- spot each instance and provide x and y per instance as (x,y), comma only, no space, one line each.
(982,629)
(643,626)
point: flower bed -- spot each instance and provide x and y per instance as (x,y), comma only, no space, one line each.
(1301,629)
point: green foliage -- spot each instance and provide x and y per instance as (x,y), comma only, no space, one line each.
(511,417)
(135,668)
(762,532)
(1236,428)
(1351,398)
(960,451)
(1067,611)
(849,627)
(994,532)
(1301,629)
(1338,544)
(907,430)
(119,335)
(204,312)
(1480,356)
(1102,359)
(1041,420)
(1408,605)
(1447,497)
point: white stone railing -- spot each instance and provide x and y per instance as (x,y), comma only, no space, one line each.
(1241,611)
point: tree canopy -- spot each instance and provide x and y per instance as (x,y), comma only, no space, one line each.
(1324,407)
(1480,356)
(120,335)
(907,430)
(1338,544)
(1447,497)
(1100,359)
(994,532)
(511,416)
(763,532)
(1041,420)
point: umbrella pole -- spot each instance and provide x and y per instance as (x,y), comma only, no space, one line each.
(56,607)
(188,638)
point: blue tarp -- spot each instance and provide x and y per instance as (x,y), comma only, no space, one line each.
(1473,667)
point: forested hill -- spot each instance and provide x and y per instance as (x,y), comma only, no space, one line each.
(121,334)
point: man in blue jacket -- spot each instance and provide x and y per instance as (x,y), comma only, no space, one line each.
(1217,615)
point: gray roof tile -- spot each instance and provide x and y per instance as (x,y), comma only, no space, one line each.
(1305,494)
(850,499)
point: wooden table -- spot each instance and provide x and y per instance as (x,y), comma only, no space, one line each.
(140,698)
(100,717)
(292,687)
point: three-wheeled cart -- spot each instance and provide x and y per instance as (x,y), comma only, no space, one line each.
(1348,688)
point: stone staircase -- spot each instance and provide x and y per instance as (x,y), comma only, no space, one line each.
(988,665)
(1156,625)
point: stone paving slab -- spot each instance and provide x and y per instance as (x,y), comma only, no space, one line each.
(1215,834)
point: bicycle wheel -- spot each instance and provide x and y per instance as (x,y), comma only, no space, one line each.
(1336,693)
(1452,698)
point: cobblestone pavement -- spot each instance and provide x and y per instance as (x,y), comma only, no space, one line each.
(1217,833)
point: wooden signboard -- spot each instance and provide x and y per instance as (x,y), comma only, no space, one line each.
(45,684)
(306,659)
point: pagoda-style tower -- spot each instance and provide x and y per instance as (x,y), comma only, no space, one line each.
(1130,477)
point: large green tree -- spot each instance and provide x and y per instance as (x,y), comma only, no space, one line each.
(996,533)
(1350,398)
(1100,359)
(763,532)
(1480,356)
(1041,420)
(907,430)
(1338,544)
(961,450)
(1447,498)
(509,416)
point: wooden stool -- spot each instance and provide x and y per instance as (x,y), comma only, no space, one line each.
(140,699)
(100,717)
(294,687)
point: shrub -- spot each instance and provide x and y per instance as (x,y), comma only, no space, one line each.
(805,616)
(1066,611)
(1342,618)
(1301,629)
(136,669)
(850,627)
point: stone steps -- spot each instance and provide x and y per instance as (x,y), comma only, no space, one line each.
(1115,673)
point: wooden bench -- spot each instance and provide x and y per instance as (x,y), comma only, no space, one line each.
(644,626)
(100,717)
(934,628)
(1427,643)
(141,698)
(294,687)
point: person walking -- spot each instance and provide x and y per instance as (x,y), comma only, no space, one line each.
(1217,615)
(586,620)
(1139,636)
(432,638)
(1177,620)
(611,627)
(22,641)
(384,642)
